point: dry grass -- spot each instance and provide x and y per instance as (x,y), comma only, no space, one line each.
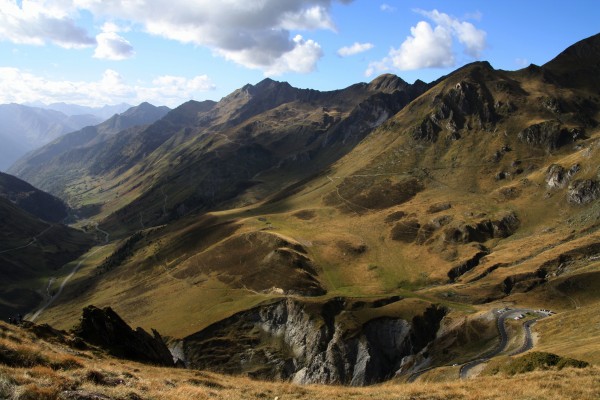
(97,375)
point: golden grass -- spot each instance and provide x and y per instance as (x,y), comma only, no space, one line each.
(118,379)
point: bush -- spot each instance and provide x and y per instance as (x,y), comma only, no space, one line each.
(534,361)
(7,386)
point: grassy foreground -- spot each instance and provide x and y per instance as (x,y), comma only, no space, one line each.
(31,368)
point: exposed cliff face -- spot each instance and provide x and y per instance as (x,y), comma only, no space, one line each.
(310,343)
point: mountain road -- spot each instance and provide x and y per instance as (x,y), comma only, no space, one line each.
(500,322)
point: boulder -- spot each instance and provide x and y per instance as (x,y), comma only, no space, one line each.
(557,177)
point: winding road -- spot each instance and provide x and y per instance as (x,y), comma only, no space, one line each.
(500,322)
(35,315)
(52,299)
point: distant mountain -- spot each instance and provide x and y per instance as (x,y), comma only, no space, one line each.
(34,201)
(102,113)
(56,156)
(267,128)
(24,128)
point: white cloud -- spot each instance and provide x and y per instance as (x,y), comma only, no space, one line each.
(20,87)
(40,22)
(377,67)
(472,38)
(387,8)
(432,47)
(302,59)
(316,17)
(112,46)
(356,48)
(255,34)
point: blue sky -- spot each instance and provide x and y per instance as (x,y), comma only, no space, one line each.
(96,52)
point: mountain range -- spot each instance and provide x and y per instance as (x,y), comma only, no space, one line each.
(347,236)
(102,113)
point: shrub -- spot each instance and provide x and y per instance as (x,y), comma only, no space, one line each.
(20,357)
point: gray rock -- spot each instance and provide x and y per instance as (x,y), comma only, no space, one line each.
(306,342)
(555,176)
(583,191)
(548,135)
(426,131)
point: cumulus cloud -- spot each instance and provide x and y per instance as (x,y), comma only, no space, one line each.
(39,22)
(255,34)
(251,33)
(19,86)
(356,48)
(316,17)
(301,59)
(432,47)
(112,46)
(472,38)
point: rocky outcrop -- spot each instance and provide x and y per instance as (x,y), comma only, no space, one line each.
(469,103)
(104,328)
(311,343)
(557,176)
(548,135)
(468,265)
(426,131)
(523,282)
(483,230)
(583,191)
(406,231)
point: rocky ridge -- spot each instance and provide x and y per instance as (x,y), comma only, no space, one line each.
(104,328)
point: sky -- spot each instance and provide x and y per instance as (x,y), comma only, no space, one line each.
(97,52)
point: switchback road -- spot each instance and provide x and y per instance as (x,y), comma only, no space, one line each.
(500,322)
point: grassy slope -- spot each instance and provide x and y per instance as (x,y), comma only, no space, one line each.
(31,252)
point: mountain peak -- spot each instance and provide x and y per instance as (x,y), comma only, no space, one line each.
(578,65)
(270,84)
(387,83)
(584,51)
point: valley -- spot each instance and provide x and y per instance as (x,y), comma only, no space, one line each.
(352,237)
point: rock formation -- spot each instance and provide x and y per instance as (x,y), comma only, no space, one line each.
(311,343)
(104,328)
